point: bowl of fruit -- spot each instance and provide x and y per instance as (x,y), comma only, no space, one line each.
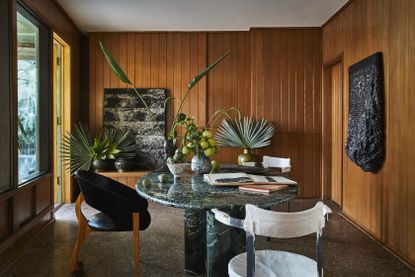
(177,165)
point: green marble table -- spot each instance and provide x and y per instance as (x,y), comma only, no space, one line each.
(209,245)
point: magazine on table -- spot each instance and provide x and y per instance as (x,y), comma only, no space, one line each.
(239,179)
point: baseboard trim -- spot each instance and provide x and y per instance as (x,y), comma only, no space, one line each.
(390,249)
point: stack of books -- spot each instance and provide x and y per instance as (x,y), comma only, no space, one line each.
(249,182)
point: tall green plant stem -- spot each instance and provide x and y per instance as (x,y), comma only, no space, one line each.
(173,126)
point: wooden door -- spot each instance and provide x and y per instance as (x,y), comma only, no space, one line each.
(337,140)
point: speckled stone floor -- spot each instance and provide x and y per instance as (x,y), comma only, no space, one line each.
(347,251)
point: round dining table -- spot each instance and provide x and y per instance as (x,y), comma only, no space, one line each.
(208,244)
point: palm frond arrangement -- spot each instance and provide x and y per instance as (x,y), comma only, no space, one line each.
(76,148)
(247,133)
(79,148)
(124,140)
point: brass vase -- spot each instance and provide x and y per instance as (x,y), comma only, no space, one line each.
(246,156)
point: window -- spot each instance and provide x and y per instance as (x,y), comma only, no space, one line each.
(33,96)
(28,97)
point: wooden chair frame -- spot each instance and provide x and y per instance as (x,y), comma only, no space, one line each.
(84,230)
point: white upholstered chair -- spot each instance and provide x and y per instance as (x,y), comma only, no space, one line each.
(273,263)
(275,162)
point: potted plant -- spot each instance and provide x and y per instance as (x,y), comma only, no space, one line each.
(198,140)
(247,134)
(103,154)
(80,149)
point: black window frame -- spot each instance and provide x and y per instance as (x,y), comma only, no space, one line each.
(45,94)
(6,77)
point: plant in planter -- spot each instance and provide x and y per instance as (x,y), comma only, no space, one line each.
(247,134)
(126,144)
(79,148)
(199,140)
(103,154)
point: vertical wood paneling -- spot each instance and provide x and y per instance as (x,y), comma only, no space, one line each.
(337,132)
(410,62)
(229,84)
(286,88)
(381,202)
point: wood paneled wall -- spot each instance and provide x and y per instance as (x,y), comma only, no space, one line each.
(382,202)
(252,78)
(24,210)
(229,84)
(286,89)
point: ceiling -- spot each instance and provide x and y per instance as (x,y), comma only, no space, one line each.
(197,15)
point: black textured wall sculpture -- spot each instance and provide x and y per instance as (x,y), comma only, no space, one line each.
(365,134)
(124,110)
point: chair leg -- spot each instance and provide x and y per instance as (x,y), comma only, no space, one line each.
(250,255)
(82,233)
(136,233)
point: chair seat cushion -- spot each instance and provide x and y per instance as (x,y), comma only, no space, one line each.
(271,263)
(101,222)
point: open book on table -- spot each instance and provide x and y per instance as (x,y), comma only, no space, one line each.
(239,179)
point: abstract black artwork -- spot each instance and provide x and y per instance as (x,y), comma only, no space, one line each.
(365,134)
(124,110)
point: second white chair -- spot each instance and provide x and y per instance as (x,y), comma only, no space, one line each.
(273,263)
(284,164)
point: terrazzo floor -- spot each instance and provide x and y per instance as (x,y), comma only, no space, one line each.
(346,250)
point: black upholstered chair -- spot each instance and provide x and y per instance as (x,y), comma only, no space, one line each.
(120,209)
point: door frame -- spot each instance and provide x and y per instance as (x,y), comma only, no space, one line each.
(66,114)
(326,163)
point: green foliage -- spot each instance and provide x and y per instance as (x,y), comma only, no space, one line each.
(79,148)
(114,65)
(102,149)
(205,71)
(247,133)
(124,141)
(76,152)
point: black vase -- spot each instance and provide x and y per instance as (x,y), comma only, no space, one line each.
(169,149)
(102,165)
(123,164)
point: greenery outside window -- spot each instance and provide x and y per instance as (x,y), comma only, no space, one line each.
(33,96)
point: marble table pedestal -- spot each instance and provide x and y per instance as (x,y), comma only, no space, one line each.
(209,240)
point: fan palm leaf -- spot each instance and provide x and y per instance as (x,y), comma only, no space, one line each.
(247,133)
(75,150)
(124,141)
